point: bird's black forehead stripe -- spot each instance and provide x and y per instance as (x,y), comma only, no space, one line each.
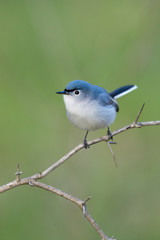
(70,90)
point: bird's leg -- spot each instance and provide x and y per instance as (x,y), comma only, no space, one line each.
(109,134)
(85,141)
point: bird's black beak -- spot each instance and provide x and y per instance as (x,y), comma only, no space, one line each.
(62,92)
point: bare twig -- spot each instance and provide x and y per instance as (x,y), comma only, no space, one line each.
(72,152)
(78,202)
(32,180)
(97,140)
(138,116)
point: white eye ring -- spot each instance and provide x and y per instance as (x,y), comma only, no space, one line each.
(76,92)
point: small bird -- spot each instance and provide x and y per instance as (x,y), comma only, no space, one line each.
(90,107)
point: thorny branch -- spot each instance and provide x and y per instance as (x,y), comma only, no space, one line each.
(32,180)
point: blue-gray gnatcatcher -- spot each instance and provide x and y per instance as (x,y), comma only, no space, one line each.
(90,107)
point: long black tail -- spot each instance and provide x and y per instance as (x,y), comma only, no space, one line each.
(122,91)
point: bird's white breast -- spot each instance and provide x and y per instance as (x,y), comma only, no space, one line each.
(89,115)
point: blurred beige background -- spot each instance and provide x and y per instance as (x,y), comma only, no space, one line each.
(43,46)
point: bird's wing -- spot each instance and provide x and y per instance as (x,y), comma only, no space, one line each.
(107,100)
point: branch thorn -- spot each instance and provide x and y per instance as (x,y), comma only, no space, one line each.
(87,199)
(84,205)
(18,173)
(31,183)
(139,114)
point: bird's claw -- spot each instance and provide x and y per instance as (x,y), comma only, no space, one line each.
(110,134)
(85,144)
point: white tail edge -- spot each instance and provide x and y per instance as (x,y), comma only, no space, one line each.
(126,92)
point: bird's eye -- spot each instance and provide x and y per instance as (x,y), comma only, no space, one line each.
(76,92)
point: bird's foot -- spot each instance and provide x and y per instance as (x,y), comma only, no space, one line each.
(85,144)
(110,137)
(85,141)
(110,134)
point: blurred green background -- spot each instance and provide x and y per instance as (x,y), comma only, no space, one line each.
(43,46)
